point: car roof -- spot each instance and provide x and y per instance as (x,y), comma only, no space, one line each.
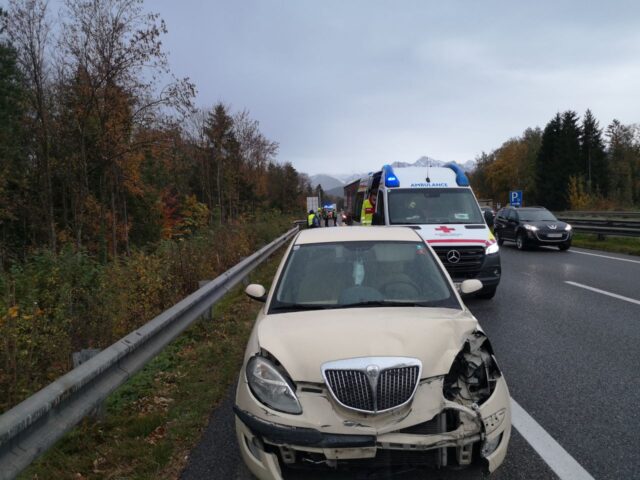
(357,234)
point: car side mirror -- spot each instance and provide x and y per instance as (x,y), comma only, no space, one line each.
(378,219)
(470,286)
(257,292)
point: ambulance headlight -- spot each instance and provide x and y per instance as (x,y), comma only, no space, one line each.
(491,249)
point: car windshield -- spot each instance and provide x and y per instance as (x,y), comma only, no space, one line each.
(361,274)
(418,206)
(536,216)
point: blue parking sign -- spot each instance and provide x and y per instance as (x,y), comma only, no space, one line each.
(515,198)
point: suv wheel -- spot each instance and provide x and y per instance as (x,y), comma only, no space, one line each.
(520,242)
(498,238)
(564,246)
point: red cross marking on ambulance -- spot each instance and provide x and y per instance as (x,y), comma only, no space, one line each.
(445,229)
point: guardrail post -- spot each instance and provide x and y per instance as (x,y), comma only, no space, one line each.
(79,358)
(208,314)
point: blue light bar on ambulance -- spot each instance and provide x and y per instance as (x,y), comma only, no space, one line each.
(390,179)
(461,178)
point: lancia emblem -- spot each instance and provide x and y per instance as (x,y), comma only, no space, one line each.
(453,256)
(373,371)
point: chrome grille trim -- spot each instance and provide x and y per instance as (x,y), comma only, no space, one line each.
(372,384)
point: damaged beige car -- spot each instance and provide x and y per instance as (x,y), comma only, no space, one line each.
(364,356)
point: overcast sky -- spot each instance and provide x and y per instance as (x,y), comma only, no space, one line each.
(345,86)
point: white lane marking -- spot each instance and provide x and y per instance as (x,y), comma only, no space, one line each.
(604,292)
(558,459)
(605,256)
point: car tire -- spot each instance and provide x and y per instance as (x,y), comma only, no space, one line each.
(498,238)
(520,242)
(487,293)
(564,246)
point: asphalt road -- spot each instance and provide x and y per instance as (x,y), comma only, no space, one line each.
(571,357)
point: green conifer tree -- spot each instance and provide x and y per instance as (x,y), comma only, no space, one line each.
(593,156)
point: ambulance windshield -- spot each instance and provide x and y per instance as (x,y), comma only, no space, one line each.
(419,206)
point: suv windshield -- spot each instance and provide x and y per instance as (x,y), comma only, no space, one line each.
(539,215)
(433,205)
(361,274)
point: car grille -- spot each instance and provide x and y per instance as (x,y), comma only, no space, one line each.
(470,263)
(390,388)
(351,388)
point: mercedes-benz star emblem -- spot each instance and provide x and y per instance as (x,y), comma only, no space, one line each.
(453,256)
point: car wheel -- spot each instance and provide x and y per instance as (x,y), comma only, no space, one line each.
(564,246)
(487,293)
(520,242)
(498,238)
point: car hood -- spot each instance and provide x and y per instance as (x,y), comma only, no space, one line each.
(548,226)
(453,234)
(303,341)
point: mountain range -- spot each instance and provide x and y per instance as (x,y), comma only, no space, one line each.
(332,184)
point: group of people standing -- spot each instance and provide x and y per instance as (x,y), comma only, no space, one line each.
(314,219)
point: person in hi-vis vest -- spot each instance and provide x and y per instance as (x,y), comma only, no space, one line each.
(368,208)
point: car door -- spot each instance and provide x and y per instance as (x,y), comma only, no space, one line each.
(512,224)
(500,222)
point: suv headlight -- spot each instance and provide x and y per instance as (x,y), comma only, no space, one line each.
(271,387)
(493,248)
(533,228)
(568,228)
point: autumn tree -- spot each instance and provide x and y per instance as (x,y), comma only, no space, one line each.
(624,162)
(13,166)
(29,29)
(112,57)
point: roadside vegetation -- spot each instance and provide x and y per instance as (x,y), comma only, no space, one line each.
(628,245)
(571,164)
(150,424)
(117,194)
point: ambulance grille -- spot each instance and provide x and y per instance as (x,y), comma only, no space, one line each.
(470,263)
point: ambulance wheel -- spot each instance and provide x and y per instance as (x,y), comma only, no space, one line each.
(487,293)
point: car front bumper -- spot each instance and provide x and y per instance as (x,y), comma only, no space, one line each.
(332,437)
(538,238)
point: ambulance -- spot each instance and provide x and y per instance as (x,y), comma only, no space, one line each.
(438,202)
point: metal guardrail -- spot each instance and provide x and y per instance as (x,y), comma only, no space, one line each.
(600,214)
(33,426)
(604,223)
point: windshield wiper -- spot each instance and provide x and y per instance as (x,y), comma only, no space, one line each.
(385,303)
(293,307)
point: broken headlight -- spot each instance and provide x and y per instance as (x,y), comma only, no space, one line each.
(473,374)
(272,387)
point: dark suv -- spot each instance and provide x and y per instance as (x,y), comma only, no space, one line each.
(531,226)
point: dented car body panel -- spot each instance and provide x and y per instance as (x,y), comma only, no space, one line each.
(458,412)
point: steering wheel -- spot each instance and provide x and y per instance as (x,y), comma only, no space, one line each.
(414,290)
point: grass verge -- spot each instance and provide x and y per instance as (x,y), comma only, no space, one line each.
(628,245)
(151,423)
